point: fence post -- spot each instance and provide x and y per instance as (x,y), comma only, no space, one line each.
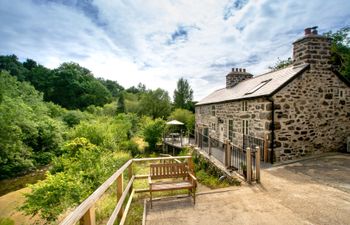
(227,153)
(249,165)
(119,193)
(257,164)
(89,217)
(209,145)
(190,165)
(266,147)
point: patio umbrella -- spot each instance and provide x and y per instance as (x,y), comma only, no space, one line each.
(174,122)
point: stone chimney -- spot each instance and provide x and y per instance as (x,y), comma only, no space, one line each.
(235,76)
(313,49)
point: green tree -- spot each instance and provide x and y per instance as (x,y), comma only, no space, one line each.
(11,64)
(113,86)
(28,135)
(155,103)
(121,104)
(340,50)
(152,131)
(183,95)
(76,88)
(185,116)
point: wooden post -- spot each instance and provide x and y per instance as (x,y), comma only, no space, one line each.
(266,148)
(249,165)
(209,145)
(228,153)
(181,138)
(130,176)
(119,193)
(257,164)
(89,217)
(190,165)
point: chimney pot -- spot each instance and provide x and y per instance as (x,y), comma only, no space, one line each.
(240,69)
(233,69)
(244,70)
(307,31)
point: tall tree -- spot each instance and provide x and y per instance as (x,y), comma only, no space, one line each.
(121,104)
(75,87)
(113,86)
(183,95)
(155,103)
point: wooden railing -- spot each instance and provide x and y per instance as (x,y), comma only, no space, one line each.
(85,212)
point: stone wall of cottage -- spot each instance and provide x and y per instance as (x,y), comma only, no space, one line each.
(312,115)
(258,114)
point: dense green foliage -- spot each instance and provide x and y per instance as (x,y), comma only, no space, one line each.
(76,88)
(69,85)
(341,50)
(185,116)
(74,176)
(152,131)
(183,95)
(29,134)
(155,103)
(81,127)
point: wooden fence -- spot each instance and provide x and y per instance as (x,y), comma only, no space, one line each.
(85,212)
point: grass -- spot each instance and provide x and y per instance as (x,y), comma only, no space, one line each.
(6,221)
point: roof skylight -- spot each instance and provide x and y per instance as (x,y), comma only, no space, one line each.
(258,87)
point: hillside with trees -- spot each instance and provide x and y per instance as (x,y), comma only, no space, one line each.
(81,127)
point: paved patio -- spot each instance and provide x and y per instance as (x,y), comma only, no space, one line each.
(313,191)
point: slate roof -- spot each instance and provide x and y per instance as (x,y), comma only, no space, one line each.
(276,80)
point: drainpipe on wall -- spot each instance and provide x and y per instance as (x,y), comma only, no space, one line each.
(272,128)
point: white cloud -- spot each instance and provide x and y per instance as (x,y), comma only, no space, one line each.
(128,41)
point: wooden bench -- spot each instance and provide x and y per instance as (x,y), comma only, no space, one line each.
(186,180)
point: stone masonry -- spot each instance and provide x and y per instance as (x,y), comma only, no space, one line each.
(311,113)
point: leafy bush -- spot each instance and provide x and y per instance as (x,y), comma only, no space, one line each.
(152,131)
(73,117)
(81,169)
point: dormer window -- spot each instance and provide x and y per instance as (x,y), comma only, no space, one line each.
(258,87)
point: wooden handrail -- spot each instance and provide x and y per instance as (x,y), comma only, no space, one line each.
(84,208)
(120,202)
(90,201)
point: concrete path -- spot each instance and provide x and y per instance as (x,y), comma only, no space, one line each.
(314,191)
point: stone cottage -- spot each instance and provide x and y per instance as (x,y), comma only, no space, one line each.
(300,110)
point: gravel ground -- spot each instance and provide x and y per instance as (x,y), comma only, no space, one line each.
(313,191)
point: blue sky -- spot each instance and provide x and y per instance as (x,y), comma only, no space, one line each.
(157,42)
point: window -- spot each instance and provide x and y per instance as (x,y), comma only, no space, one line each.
(213,110)
(245,127)
(244,106)
(230,130)
(258,87)
(341,94)
(213,126)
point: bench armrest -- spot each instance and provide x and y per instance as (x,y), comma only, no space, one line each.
(149,180)
(192,177)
